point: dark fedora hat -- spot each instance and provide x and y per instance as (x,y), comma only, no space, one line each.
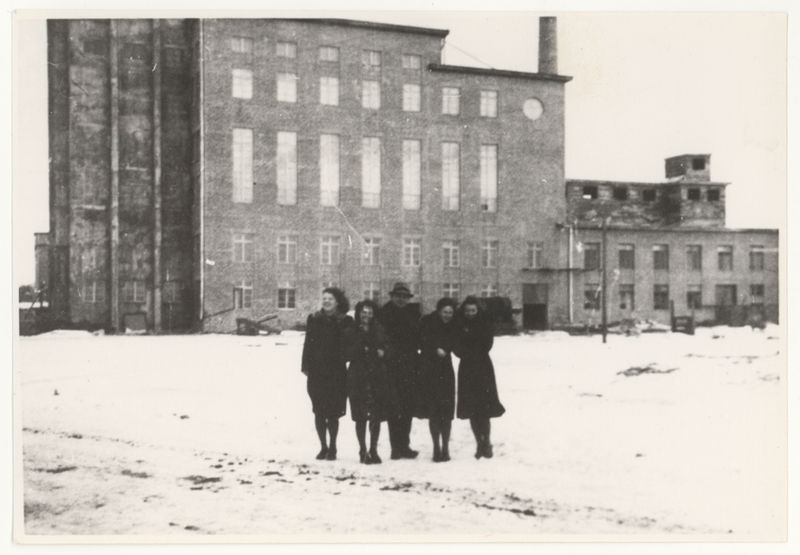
(401,288)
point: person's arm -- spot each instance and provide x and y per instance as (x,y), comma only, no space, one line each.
(308,346)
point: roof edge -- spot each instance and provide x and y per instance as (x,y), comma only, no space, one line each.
(499,73)
(645,183)
(374,25)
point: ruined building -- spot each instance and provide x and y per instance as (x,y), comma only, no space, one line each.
(667,248)
(204,170)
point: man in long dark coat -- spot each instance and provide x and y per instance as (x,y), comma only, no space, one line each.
(400,321)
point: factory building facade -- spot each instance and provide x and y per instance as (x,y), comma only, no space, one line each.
(207,170)
(213,169)
(667,251)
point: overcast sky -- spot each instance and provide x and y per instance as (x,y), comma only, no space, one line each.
(645,87)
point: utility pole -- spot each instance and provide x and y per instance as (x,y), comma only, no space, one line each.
(604,297)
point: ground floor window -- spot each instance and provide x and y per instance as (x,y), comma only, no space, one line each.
(243,294)
(591,296)
(286,297)
(626,297)
(661,297)
(694,297)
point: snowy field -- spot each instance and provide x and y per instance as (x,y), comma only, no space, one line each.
(656,436)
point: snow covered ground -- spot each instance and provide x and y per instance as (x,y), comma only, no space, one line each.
(660,435)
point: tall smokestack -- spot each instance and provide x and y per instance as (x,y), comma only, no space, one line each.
(548,50)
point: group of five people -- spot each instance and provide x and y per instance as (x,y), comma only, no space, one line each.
(399,368)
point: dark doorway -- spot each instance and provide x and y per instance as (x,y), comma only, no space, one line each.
(534,306)
(534,316)
(725,301)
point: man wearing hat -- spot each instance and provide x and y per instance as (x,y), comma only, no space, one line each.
(401,323)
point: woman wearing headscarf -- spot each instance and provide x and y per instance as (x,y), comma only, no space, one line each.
(325,364)
(367,383)
(437,378)
(477,389)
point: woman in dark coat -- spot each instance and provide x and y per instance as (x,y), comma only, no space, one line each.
(437,378)
(325,364)
(477,389)
(367,381)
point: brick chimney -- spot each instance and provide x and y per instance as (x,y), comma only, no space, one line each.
(548,50)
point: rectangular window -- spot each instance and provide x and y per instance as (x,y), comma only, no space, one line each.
(286,49)
(661,257)
(649,195)
(372,291)
(133,291)
(661,297)
(371,172)
(712,195)
(489,104)
(757,293)
(242,165)
(693,193)
(451,290)
(287,87)
(626,296)
(489,178)
(725,258)
(370,95)
(489,290)
(411,97)
(242,247)
(329,170)
(451,179)
(757,257)
(242,45)
(591,296)
(329,250)
(287,249)
(591,256)
(372,251)
(450,100)
(451,252)
(626,254)
(329,91)
(589,192)
(694,257)
(371,59)
(242,86)
(412,183)
(89,259)
(412,252)
(694,297)
(620,193)
(286,297)
(489,252)
(94,291)
(243,294)
(286,167)
(328,54)
(411,61)
(535,254)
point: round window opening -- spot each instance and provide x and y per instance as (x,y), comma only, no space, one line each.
(533,108)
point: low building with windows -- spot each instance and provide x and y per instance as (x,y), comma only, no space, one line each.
(293,154)
(667,249)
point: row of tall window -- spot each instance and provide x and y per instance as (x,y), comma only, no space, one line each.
(370,59)
(372,153)
(725,295)
(132,291)
(371,93)
(694,257)
(287,292)
(330,249)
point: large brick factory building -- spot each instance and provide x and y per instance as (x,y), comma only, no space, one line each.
(207,170)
